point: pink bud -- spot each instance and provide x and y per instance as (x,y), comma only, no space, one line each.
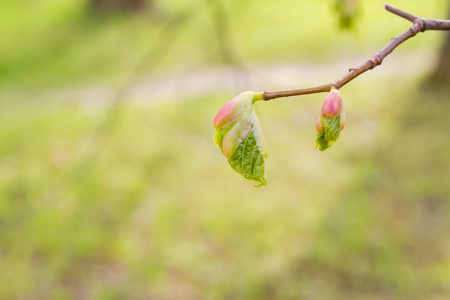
(332,105)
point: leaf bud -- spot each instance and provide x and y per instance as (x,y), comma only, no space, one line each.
(235,120)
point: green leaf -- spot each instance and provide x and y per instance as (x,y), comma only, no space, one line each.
(248,160)
(330,134)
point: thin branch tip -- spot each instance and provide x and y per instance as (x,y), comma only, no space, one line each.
(420,24)
(401,13)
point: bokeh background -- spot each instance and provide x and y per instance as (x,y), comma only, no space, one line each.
(111,186)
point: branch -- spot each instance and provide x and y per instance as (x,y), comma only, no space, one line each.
(419,24)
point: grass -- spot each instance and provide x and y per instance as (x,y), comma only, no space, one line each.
(140,204)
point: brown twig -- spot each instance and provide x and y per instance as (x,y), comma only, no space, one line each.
(419,24)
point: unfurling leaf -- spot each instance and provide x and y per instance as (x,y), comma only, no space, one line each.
(331,121)
(248,160)
(239,136)
(330,133)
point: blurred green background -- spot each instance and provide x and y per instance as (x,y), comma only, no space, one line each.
(111,186)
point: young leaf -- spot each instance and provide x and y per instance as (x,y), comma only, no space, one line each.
(330,133)
(248,160)
(239,136)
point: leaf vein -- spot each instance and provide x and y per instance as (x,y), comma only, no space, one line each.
(243,149)
(253,155)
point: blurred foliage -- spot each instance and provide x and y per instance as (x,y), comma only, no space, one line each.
(348,12)
(148,208)
(158,213)
(59,42)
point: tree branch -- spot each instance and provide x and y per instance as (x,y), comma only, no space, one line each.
(419,24)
